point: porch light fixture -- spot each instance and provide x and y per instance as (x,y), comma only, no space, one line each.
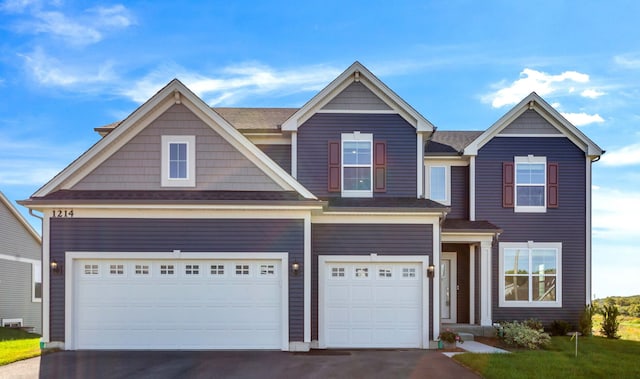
(56,267)
(295,268)
(431,271)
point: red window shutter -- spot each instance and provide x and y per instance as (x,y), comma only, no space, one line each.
(333,174)
(380,166)
(552,185)
(508,185)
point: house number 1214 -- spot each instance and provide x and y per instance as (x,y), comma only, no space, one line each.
(62,213)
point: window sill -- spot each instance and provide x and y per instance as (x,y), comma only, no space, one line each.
(357,194)
(530,304)
(526,209)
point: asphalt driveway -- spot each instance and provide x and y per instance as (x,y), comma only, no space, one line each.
(245,364)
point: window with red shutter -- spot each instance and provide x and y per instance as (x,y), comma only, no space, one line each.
(380,166)
(508,185)
(333,174)
(552,185)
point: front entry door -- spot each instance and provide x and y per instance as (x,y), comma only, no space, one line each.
(448,287)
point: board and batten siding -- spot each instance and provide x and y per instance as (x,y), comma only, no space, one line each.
(400,137)
(16,278)
(365,239)
(459,192)
(565,224)
(281,154)
(530,122)
(187,235)
(137,165)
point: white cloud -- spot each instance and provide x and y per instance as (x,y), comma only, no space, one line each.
(615,214)
(627,61)
(234,82)
(78,29)
(50,71)
(625,156)
(581,119)
(591,93)
(532,80)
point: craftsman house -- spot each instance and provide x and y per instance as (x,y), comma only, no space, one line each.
(347,223)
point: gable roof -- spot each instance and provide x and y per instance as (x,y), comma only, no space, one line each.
(449,142)
(256,119)
(550,114)
(175,92)
(27,226)
(358,73)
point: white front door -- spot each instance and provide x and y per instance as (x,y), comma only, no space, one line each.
(448,288)
(178,304)
(371,304)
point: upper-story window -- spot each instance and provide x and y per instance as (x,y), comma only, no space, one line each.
(438,190)
(530,184)
(357,164)
(178,161)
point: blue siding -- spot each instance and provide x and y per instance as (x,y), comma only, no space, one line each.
(401,140)
(364,239)
(281,154)
(189,235)
(564,224)
(459,192)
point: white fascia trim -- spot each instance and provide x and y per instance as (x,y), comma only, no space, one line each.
(355,111)
(548,113)
(529,304)
(372,83)
(14,258)
(71,257)
(531,135)
(190,213)
(20,217)
(422,259)
(455,237)
(377,218)
(267,139)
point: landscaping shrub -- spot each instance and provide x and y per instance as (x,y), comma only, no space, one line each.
(534,324)
(520,335)
(610,323)
(586,320)
(560,328)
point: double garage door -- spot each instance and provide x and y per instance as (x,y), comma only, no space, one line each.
(178,304)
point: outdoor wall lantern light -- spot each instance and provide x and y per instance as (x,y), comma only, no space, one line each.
(56,267)
(431,271)
(295,268)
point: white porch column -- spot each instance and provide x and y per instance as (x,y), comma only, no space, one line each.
(436,280)
(485,283)
(472,284)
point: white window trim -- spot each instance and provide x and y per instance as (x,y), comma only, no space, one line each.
(190,180)
(529,209)
(350,137)
(36,270)
(530,304)
(447,183)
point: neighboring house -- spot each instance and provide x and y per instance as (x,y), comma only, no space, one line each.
(347,223)
(20,270)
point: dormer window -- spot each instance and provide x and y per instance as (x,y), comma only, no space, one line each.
(178,161)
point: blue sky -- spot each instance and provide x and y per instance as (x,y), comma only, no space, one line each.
(69,66)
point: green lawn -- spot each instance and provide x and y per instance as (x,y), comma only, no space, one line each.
(629,327)
(16,345)
(597,358)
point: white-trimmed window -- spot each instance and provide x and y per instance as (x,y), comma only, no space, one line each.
(357,164)
(178,161)
(530,184)
(439,184)
(530,274)
(36,292)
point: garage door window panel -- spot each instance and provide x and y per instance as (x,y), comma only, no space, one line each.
(142,270)
(91,270)
(242,270)
(217,270)
(167,270)
(192,269)
(116,269)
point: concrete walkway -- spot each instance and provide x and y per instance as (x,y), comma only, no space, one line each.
(476,347)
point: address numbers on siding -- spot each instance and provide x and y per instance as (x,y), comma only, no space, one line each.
(62,213)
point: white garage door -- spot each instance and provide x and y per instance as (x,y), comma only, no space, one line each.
(372,305)
(178,304)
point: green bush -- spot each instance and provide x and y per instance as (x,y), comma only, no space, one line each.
(586,320)
(520,335)
(560,328)
(610,323)
(533,324)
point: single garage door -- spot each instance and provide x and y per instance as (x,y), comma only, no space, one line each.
(178,304)
(372,305)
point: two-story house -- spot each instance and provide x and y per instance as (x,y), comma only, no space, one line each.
(347,223)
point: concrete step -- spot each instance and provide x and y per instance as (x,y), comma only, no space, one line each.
(466,336)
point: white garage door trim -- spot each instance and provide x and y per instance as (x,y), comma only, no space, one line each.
(72,258)
(323,260)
